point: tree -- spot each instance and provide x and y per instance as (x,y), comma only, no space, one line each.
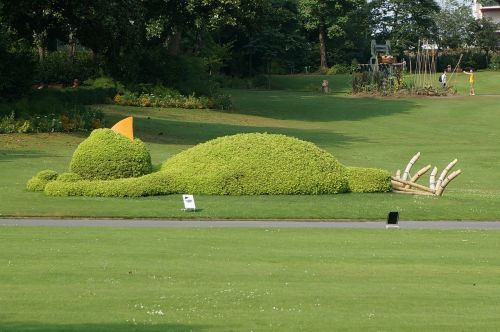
(34,20)
(404,22)
(329,19)
(16,62)
(453,24)
(276,37)
(485,35)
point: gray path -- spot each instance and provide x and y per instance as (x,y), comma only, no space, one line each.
(151,223)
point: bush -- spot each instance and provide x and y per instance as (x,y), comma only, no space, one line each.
(339,69)
(187,74)
(232,82)
(65,118)
(254,164)
(473,58)
(495,62)
(69,177)
(145,95)
(147,185)
(368,180)
(57,68)
(47,174)
(107,155)
(54,111)
(39,181)
(9,124)
(16,65)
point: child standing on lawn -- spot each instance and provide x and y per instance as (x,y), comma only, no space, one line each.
(472,79)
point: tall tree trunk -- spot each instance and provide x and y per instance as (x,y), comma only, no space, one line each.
(71,47)
(198,43)
(39,39)
(174,43)
(250,65)
(322,47)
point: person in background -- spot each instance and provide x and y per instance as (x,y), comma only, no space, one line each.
(472,80)
(324,86)
(442,79)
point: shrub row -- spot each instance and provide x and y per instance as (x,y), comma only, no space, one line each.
(57,68)
(159,96)
(54,111)
(75,118)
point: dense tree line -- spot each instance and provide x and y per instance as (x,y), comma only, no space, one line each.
(169,41)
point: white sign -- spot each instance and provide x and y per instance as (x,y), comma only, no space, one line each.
(189,202)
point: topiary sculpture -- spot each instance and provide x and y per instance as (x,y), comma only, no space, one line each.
(256,164)
(106,155)
(111,163)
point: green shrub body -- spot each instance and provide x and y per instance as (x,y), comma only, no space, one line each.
(339,69)
(39,181)
(69,177)
(107,155)
(368,180)
(255,164)
(47,174)
(147,185)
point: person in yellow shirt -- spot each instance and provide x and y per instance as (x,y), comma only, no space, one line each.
(472,79)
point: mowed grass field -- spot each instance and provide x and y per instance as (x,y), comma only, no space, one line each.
(135,279)
(359,131)
(109,279)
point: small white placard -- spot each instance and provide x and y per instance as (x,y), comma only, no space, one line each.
(188,202)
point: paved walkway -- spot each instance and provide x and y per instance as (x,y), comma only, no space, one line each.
(151,223)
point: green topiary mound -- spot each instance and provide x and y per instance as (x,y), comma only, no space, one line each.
(256,164)
(40,180)
(107,155)
(368,180)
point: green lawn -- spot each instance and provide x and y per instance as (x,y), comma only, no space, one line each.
(103,279)
(368,132)
(486,82)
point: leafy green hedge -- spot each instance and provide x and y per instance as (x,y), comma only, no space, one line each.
(147,185)
(40,180)
(368,180)
(50,110)
(106,155)
(256,164)
(146,95)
